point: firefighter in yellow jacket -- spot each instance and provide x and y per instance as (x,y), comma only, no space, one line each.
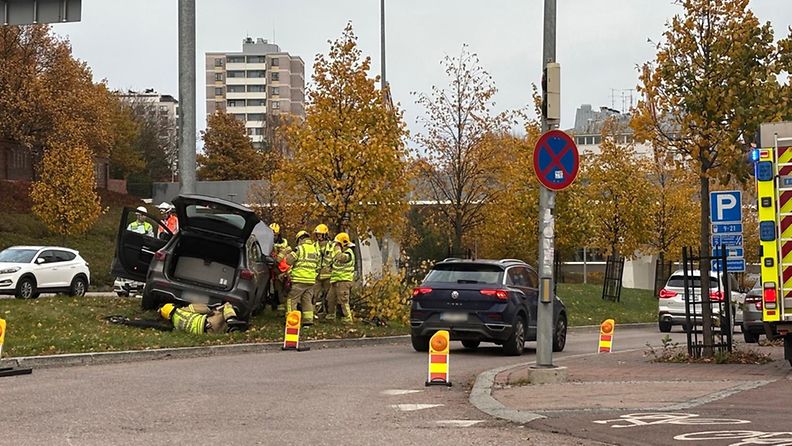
(304,263)
(200,318)
(280,249)
(326,249)
(341,278)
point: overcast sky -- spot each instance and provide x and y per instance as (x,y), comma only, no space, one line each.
(133,44)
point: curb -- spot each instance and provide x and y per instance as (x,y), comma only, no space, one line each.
(99,358)
(481,395)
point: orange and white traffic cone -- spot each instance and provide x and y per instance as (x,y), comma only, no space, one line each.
(438,359)
(607,328)
(291,335)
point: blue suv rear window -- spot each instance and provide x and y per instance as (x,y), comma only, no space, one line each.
(465,273)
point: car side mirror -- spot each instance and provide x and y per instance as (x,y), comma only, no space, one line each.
(40,260)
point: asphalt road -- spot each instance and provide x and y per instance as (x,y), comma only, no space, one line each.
(351,396)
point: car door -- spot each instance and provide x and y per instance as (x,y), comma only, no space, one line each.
(517,278)
(134,251)
(46,269)
(67,268)
(255,263)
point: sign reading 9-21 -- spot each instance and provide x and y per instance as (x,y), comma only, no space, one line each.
(556,160)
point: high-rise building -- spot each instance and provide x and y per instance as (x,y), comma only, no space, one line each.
(255,85)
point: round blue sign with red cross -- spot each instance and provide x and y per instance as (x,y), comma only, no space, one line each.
(556,160)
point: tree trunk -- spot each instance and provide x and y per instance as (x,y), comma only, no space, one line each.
(704,267)
(457,242)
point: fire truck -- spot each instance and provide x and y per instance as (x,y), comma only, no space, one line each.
(773,169)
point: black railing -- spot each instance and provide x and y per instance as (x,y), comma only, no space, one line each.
(717,297)
(612,285)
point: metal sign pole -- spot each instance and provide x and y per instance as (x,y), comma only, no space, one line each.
(187,96)
(544,329)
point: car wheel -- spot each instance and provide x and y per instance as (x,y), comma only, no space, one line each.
(148,301)
(560,334)
(420,343)
(26,288)
(78,287)
(472,345)
(750,338)
(665,326)
(122,294)
(515,345)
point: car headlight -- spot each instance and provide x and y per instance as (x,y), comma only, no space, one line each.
(11,270)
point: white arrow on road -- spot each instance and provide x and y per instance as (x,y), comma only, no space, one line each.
(459,423)
(412,407)
(396,392)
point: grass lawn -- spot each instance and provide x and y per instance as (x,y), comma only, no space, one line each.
(585,305)
(48,326)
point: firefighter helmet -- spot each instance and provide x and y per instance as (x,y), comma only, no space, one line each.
(167,310)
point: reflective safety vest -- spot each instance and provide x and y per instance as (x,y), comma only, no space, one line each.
(305,268)
(188,321)
(326,263)
(141,228)
(278,246)
(344,272)
(172,222)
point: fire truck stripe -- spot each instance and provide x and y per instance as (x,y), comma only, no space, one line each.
(784,155)
(784,201)
(786,227)
(784,170)
(786,249)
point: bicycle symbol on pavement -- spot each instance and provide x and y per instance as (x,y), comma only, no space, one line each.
(747,437)
(650,419)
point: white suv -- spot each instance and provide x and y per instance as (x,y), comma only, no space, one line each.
(671,301)
(27,271)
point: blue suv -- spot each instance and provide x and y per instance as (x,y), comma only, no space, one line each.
(482,301)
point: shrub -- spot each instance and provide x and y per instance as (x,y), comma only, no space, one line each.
(383,299)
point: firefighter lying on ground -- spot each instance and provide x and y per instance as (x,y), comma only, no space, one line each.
(200,318)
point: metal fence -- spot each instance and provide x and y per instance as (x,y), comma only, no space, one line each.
(612,284)
(717,297)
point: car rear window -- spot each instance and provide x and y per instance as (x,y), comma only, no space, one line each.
(17,255)
(465,273)
(206,217)
(678,281)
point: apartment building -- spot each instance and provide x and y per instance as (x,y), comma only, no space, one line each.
(162,111)
(255,85)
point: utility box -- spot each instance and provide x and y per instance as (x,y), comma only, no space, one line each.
(551,91)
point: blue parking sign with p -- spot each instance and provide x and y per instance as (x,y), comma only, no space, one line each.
(726,206)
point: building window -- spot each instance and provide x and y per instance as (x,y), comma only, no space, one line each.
(240,117)
(275,105)
(236,59)
(255,102)
(255,59)
(218,62)
(218,76)
(236,88)
(275,76)
(218,91)
(275,91)
(255,131)
(255,116)
(237,103)
(235,74)
(275,62)
(256,88)
(256,73)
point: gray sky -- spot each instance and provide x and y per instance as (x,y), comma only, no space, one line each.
(133,44)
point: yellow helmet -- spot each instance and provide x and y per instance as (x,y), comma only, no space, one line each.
(275,228)
(321,229)
(302,234)
(343,238)
(167,310)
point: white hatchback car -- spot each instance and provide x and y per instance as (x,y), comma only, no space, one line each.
(27,271)
(671,302)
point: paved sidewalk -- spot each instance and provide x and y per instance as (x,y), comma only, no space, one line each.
(629,381)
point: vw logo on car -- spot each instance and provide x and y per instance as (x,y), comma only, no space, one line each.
(455,295)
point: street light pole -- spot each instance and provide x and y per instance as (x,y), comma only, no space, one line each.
(382,43)
(544,328)
(187,96)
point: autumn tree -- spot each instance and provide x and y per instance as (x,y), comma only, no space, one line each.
(125,158)
(228,152)
(712,83)
(616,191)
(672,205)
(347,162)
(457,148)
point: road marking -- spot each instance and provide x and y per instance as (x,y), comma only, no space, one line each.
(684,419)
(412,407)
(397,392)
(747,437)
(459,423)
